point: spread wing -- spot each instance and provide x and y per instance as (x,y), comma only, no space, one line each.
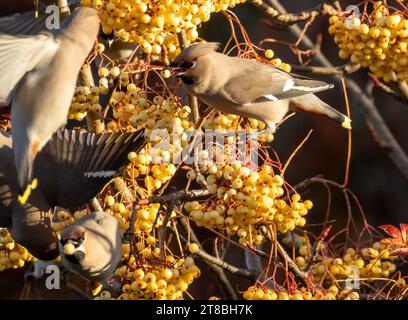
(257,82)
(23,23)
(74,166)
(28,23)
(21,54)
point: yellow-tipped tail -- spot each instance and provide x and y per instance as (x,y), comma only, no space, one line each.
(97,290)
(26,194)
(346,123)
(36,9)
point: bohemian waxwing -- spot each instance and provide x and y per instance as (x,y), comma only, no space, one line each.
(38,77)
(248,88)
(74,166)
(92,248)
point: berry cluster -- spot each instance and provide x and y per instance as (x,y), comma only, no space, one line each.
(269,54)
(154,25)
(241,198)
(12,255)
(370,262)
(145,216)
(85,99)
(165,281)
(332,293)
(378,41)
(65,219)
(220,121)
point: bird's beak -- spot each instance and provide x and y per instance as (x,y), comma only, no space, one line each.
(175,71)
(72,247)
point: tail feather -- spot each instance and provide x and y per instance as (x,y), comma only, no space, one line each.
(311,103)
(23,158)
(82,163)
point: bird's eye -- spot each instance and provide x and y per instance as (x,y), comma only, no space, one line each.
(188,64)
(173,65)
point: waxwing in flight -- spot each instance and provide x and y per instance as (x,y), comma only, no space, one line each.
(75,166)
(38,78)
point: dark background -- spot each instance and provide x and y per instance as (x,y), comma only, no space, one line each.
(374,179)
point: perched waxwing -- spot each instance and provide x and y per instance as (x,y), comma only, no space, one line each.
(248,88)
(38,77)
(75,166)
(92,248)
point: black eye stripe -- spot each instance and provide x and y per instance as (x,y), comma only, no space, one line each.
(187,64)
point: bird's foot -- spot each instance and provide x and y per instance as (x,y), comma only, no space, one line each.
(96,288)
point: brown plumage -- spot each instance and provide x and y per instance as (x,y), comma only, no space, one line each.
(248,88)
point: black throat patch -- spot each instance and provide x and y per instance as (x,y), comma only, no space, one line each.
(186,79)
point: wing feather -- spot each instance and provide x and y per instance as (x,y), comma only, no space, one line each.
(20,55)
(256,82)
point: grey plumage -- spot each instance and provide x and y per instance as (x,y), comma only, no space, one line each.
(248,88)
(97,246)
(38,76)
(75,166)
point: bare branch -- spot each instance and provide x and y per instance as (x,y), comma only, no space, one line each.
(292,18)
(175,196)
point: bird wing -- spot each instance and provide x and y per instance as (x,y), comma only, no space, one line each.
(74,166)
(260,82)
(28,23)
(23,23)
(22,54)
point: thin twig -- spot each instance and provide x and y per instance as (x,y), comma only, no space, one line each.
(249,274)
(218,271)
(315,254)
(175,196)
(284,255)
